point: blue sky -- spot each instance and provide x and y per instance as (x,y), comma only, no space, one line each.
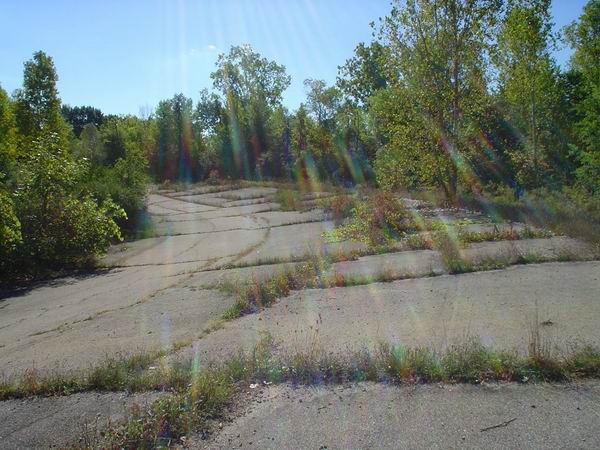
(120,55)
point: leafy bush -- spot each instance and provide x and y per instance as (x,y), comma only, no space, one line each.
(60,225)
(377,220)
(339,206)
(289,199)
(571,211)
(125,183)
(10,229)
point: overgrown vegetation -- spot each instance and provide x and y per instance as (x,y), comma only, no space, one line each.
(516,136)
(377,220)
(289,199)
(317,272)
(193,397)
(63,199)
(176,415)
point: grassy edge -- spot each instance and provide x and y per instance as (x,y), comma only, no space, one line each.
(202,396)
(313,271)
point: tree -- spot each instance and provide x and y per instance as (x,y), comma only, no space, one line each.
(279,160)
(251,88)
(60,224)
(8,140)
(113,140)
(80,116)
(10,230)
(174,122)
(365,73)
(207,114)
(37,103)
(438,49)
(246,74)
(322,101)
(90,145)
(304,164)
(528,85)
(584,37)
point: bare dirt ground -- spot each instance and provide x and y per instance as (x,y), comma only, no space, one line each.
(160,291)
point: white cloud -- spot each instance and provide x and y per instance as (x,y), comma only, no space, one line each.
(199,52)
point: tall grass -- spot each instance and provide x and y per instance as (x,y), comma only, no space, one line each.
(204,396)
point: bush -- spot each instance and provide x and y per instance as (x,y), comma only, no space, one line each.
(571,212)
(377,220)
(125,183)
(288,199)
(339,206)
(10,229)
(60,225)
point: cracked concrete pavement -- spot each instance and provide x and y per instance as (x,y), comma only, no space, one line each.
(155,292)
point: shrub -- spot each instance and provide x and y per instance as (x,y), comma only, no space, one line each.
(60,225)
(570,211)
(10,229)
(339,206)
(377,220)
(288,199)
(125,183)
(447,246)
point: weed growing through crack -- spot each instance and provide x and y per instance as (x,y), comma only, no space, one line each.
(201,397)
(447,246)
(288,199)
(511,234)
(193,398)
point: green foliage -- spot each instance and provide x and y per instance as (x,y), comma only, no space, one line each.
(90,145)
(436,48)
(174,123)
(8,136)
(118,157)
(81,116)
(584,36)
(10,230)
(569,212)
(365,73)
(247,75)
(528,90)
(37,105)
(410,156)
(60,226)
(378,220)
(125,183)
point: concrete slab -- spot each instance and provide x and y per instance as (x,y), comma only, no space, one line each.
(280,218)
(417,417)
(58,422)
(292,240)
(499,307)
(247,193)
(171,316)
(198,225)
(203,199)
(251,201)
(184,248)
(172,206)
